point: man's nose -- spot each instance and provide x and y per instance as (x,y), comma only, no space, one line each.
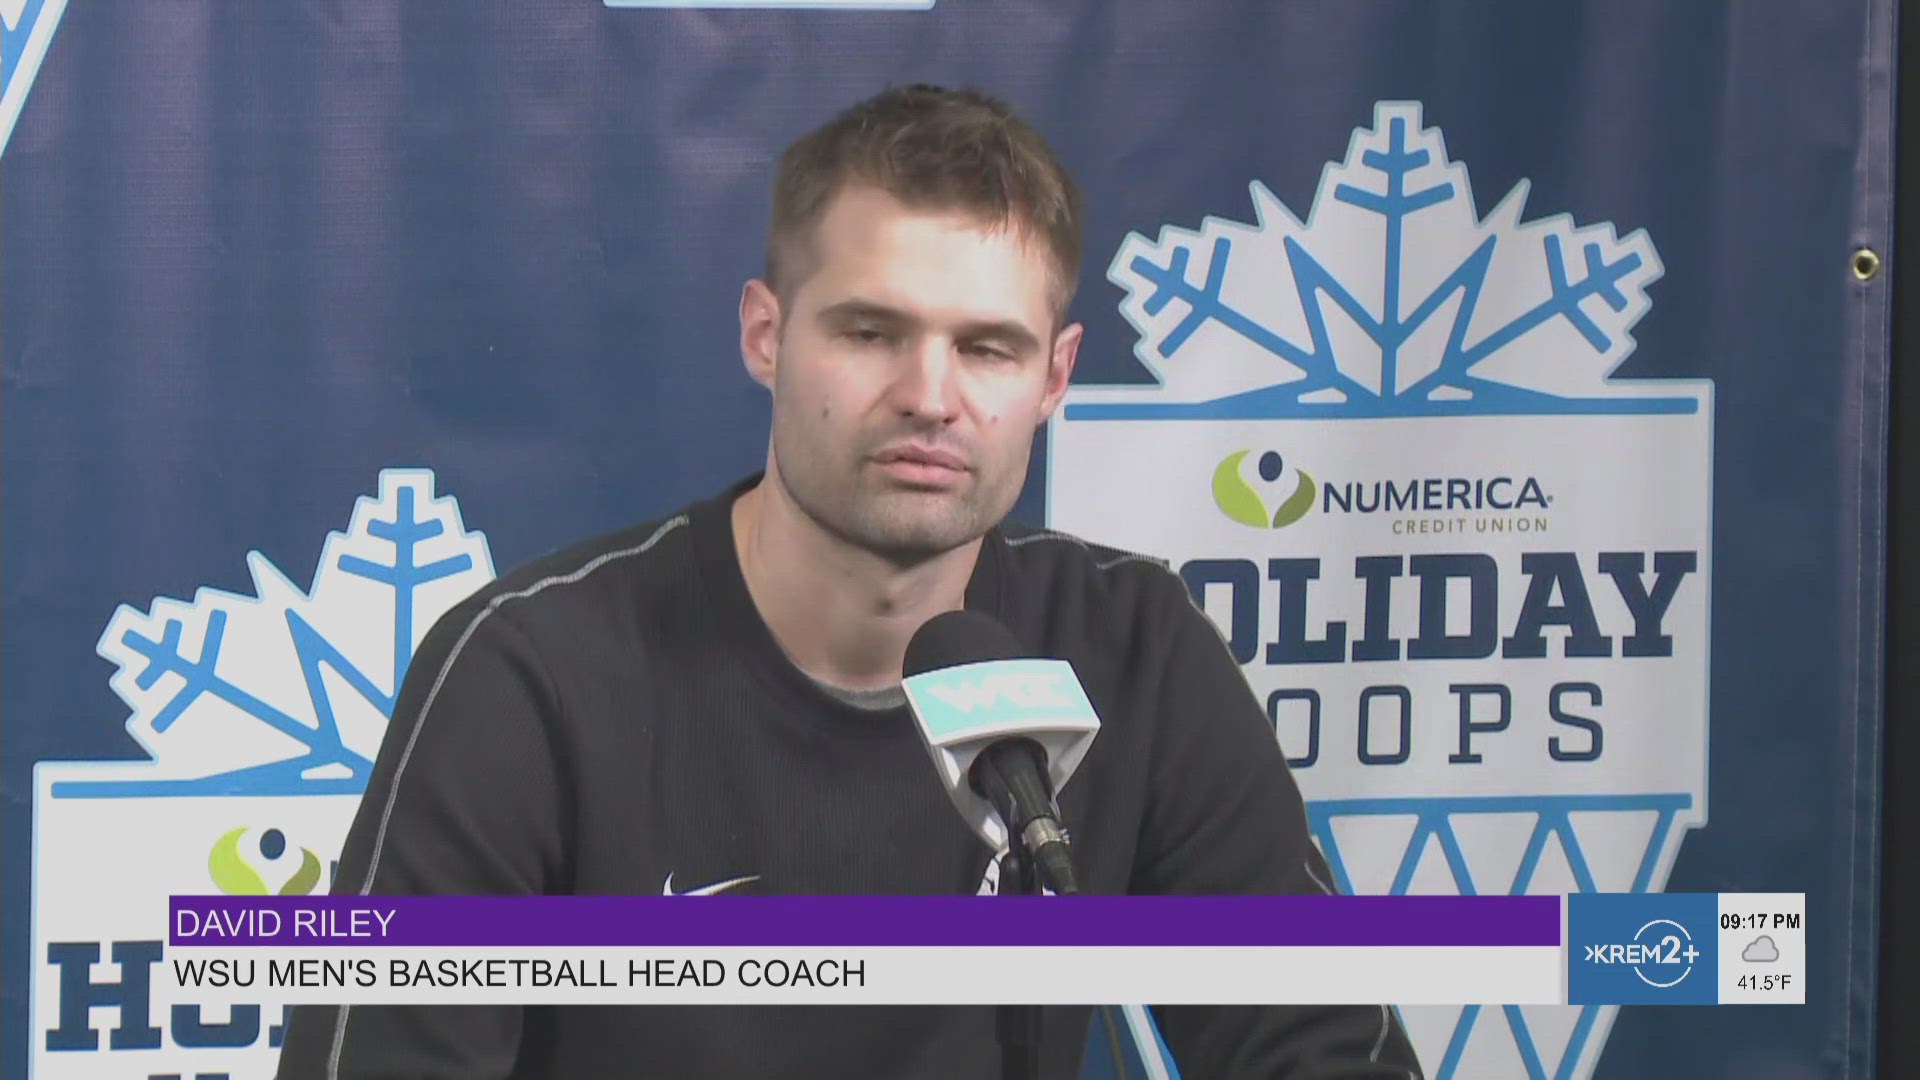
(924,387)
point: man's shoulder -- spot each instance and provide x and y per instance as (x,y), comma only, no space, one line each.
(1065,569)
(601,577)
(657,548)
(1042,550)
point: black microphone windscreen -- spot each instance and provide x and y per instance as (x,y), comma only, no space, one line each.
(952,638)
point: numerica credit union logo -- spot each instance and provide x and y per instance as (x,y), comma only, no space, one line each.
(1246,499)
(1265,492)
(258,862)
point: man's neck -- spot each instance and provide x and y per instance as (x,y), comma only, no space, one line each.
(842,614)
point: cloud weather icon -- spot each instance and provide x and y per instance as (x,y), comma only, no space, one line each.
(1761,950)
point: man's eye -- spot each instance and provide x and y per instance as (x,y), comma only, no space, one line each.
(988,352)
(866,335)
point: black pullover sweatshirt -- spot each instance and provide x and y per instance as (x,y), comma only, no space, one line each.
(617,719)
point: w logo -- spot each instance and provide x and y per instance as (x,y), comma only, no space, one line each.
(989,691)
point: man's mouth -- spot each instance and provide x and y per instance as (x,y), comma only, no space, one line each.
(922,466)
(932,457)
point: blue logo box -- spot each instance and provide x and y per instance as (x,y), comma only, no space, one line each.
(1643,949)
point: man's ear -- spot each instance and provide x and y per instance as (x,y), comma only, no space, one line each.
(759,331)
(1066,349)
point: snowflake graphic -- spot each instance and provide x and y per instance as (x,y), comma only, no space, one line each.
(285,692)
(1393,299)
(1286,353)
(26,29)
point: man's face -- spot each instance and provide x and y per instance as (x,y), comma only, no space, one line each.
(909,370)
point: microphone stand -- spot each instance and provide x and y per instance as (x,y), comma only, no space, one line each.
(1018,1026)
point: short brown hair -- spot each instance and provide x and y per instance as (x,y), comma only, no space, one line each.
(930,148)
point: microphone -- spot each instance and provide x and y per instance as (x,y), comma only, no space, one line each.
(1005,732)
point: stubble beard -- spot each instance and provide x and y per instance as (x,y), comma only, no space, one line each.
(852,500)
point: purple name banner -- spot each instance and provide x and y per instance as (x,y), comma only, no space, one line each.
(716,921)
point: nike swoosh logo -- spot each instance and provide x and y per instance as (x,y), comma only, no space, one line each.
(707,890)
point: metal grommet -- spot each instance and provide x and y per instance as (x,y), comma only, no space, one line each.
(1866,264)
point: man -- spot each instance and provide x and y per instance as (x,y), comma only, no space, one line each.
(712,702)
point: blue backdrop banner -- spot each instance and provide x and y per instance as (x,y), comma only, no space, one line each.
(1507,381)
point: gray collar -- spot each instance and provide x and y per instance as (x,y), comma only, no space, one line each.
(878,699)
